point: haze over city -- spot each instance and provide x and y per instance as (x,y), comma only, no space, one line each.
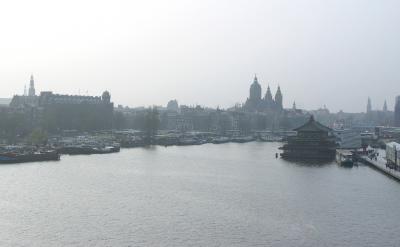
(333,53)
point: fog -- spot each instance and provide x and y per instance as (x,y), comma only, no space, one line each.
(333,53)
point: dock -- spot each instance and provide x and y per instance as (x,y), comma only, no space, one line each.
(380,164)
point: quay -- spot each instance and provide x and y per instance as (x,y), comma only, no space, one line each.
(380,164)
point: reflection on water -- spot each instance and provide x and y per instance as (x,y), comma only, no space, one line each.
(209,195)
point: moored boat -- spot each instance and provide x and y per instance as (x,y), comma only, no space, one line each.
(13,158)
(344,158)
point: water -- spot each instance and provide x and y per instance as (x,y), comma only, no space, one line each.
(209,195)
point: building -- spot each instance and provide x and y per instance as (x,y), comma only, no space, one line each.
(32,91)
(369,105)
(397,112)
(255,102)
(55,112)
(26,100)
(393,155)
(173,105)
(348,139)
(313,141)
(76,112)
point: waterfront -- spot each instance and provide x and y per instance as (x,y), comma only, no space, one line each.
(210,195)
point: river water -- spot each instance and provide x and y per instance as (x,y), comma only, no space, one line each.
(208,195)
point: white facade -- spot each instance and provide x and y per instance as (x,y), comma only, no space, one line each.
(393,152)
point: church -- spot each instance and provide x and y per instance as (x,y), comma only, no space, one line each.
(255,102)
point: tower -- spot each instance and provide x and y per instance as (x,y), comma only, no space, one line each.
(278,98)
(294,105)
(255,90)
(106,97)
(397,112)
(369,105)
(385,106)
(268,96)
(31,87)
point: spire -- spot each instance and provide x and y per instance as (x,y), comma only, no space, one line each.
(31,87)
(268,95)
(385,106)
(278,98)
(255,78)
(294,105)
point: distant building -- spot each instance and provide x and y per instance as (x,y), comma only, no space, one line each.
(24,100)
(382,117)
(348,139)
(255,103)
(60,112)
(313,141)
(173,105)
(385,108)
(369,105)
(397,112)
(31,92)
(76,112)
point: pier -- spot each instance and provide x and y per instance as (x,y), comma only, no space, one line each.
(380,164)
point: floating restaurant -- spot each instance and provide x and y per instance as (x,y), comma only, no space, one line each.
(313,141)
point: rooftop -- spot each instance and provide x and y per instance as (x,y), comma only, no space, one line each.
(313,126)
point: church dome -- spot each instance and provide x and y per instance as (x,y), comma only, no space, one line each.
(255,90)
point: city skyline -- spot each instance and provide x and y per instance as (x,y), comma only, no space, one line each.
(30,88)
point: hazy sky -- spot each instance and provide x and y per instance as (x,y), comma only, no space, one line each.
(333,52)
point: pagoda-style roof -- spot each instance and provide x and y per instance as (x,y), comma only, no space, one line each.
(313,126)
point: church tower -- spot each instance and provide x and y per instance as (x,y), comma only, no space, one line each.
(278,98)
(31,87)
(255,90)
(268,96)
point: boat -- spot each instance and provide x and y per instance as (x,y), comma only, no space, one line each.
(186,141)
(89,149)
(243,139)
(344,158)
(13,158)
(220,140)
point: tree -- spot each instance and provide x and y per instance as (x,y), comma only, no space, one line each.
(152,122)
(38,137)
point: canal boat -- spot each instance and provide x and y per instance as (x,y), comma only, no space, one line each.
(13,157)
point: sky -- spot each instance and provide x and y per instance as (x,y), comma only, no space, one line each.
(320,52)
